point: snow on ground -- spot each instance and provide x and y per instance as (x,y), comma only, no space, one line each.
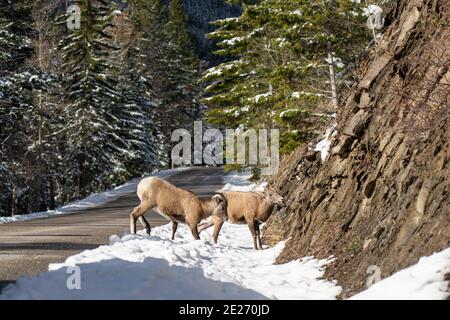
(155,267)
(89,202)
(422,281)
(238,181)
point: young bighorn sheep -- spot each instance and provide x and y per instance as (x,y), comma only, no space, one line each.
(216,208)
(175,204)
(251,208)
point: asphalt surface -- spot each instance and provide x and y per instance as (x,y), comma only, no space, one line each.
(27,248)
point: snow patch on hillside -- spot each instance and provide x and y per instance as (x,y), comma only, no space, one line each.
(324,145)
(422,281)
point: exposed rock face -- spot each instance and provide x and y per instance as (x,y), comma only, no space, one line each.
(383,196)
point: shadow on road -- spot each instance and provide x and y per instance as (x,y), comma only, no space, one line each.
(4,284)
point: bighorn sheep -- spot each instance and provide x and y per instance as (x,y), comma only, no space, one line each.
(216,209)
(251,208)
(175,204)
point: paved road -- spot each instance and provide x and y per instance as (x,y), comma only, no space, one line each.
(27,248)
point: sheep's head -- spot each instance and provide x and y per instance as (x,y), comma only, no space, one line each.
(272,196)
(221,205)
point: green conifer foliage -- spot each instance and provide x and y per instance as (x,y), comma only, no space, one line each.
(181,65)
(279,68)
(15,99)
(94,148)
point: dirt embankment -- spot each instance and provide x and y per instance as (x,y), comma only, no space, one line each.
(383,196)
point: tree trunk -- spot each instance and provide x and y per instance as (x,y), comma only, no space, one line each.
(14,201)
(333,80)
(79,177)
(370,24)
(38,197)
(52,193)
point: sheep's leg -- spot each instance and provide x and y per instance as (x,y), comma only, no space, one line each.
(218,223)
(205,225)
(137,213)
(251,226)
(174,229)
(194,231)
(258,235)
(133,217)
(145,224)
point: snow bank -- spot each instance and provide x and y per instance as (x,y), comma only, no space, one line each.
(154,267)
(422,281)
(89,202)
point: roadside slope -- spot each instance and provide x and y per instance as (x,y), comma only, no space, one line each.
(382,196)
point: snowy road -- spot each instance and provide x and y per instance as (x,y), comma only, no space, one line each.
(27,248)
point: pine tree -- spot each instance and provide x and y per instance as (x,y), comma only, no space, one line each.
(148,73)
(28,117)
(168,53)
(94,148)
(116,106)
(15,33)
(139,126)
(181,64)
(15,100)
(45,115)
(43,121)
(15,106)
(138,114)
(279,68)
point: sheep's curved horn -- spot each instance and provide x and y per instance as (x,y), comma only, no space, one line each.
(218,197)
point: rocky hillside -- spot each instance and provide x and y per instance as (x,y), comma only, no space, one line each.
(382,197)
